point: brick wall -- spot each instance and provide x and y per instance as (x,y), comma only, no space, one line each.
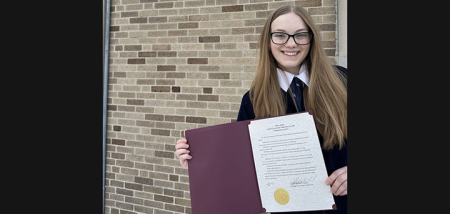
(178,65)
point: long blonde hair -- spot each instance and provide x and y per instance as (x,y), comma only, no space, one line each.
(326,95)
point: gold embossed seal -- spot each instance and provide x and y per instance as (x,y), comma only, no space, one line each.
(281,196)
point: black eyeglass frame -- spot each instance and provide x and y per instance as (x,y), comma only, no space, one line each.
(311,36)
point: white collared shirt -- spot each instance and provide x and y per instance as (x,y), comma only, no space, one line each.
(303,75)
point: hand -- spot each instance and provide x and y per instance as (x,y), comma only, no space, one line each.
(182,152)
(338,181)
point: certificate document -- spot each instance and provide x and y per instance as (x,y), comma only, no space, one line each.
(289,164)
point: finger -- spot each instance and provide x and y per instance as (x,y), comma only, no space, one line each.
(335,174)
(182,141)
(181,146)
(340,184)
(184,133)
(184,158)
(342,190)
(180,152)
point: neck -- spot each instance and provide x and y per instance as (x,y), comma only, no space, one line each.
(294,71)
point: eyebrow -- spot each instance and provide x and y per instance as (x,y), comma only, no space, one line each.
(299,30)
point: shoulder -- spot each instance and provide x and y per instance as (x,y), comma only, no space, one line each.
(246,99)
(246,110)
(246,93)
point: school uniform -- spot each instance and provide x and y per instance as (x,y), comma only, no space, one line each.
(334,159)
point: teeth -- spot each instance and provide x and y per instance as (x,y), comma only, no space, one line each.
(290,53)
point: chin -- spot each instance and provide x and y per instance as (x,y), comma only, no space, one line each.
(290,66)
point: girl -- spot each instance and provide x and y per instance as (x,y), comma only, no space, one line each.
(293,75)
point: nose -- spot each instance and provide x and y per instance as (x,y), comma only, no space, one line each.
(290,42)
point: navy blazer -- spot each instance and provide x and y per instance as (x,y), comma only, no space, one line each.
(334,159)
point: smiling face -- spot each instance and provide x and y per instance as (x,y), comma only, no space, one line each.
(289,55)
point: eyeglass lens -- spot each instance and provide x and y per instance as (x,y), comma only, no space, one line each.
(300,38)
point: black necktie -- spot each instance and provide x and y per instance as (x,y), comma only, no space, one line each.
(297,90)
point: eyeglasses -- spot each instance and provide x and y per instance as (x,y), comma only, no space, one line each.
(302,38)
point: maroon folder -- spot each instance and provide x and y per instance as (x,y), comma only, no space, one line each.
(222,174)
